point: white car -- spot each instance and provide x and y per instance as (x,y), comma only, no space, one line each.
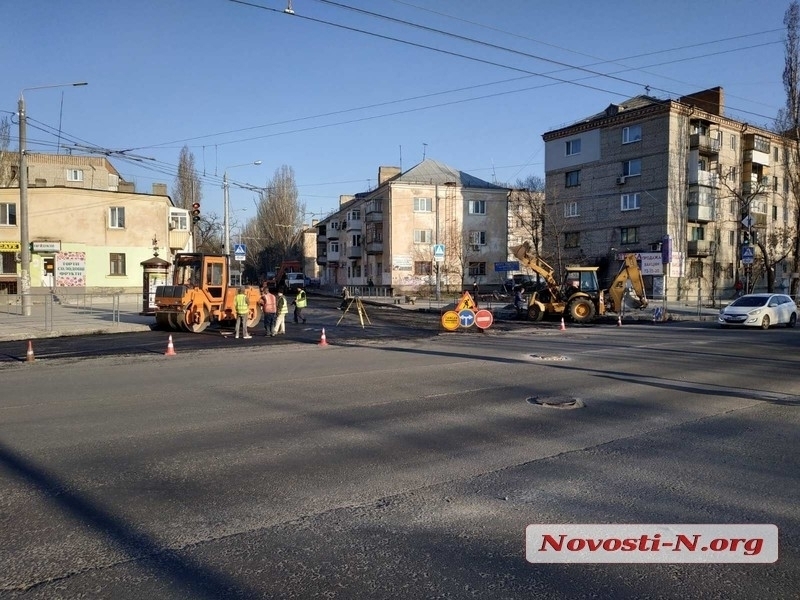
(760,310)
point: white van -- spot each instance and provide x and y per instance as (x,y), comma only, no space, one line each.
(294,281)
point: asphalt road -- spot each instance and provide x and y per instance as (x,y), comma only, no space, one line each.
(396,468)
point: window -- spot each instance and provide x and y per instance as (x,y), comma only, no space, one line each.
(333,247)
(631,134)
(630,201)
(629,235)
(335,225)
(74,175)
(572,239)
(116,217)
(179,221)
(477,207)
(696,269)
(422,267)
(697,234)
(731,238)
(354,215)
(477,238)
(774,213)
(572,178)
(477,268)
(571,209)
(774,184)
(423,236)
(775,153)
(8,213)
(8,262)
(355,240)
(785,185)
(573,147)
(733,142)
(732,174)
(116,264)
(632,168)
(423,205)
(761,144)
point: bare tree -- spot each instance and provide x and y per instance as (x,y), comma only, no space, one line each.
(788,124)
(209,234)
(187,188)
(527,210)
(276,230)
(6,157)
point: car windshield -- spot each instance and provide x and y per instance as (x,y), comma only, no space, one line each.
(750,301)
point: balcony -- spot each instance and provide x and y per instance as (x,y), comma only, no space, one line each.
(354,225)
(705,144)
(374,217)
(322,259)
(375,247)
(701,213)
(333,255)
(333,234)
(756,157)
(705,178)
(699,248)
(755,188)
(354,252)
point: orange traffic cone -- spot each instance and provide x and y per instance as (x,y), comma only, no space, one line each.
(563,327)
(619,321)
(323,340)
(170,348)
(30,357)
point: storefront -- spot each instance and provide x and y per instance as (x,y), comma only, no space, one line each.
(9,259)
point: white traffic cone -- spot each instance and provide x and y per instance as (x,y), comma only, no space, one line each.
(619,321)
(323,340)
(563,327)
(30,357)
(170,348)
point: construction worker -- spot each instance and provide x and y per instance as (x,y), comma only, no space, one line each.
(269,304)
(300,302)
(242,311)
(283,310)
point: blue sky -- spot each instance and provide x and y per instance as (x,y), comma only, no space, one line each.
(239,82)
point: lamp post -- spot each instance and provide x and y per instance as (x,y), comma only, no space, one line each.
(24,232)
(226,206)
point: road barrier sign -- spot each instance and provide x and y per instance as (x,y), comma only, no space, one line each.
(450,320)
(484,319)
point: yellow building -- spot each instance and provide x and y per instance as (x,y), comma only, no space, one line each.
(89,237)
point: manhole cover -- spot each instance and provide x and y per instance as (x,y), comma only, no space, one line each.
(561,402)
(554,357)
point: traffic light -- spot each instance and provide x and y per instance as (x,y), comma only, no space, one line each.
(195,212)
(746,238)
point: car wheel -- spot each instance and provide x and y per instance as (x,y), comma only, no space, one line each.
(792,320)
(765,322)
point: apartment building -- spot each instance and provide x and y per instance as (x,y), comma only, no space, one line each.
(88,229)
(622,180)
(430,222)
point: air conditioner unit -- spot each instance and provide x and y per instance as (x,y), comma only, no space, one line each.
(474,248)
(621,179)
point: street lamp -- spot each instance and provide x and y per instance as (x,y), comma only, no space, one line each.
(24,232)
(226,204)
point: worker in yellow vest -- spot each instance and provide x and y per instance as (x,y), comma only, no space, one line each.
(300,302)
(283,310)
(242,311)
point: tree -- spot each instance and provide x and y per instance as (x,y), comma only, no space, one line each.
(276,230)
(6,157)
(788,123)
(209,234)
(526,209)
(187,188)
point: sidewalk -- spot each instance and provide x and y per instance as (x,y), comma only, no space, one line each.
(58,320)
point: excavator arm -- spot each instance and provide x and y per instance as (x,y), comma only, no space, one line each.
(630,271)
(528,258)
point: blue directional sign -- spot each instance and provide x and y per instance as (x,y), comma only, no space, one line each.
(748,254)
(500,267)
(466,318)
(438,252)
(239,251)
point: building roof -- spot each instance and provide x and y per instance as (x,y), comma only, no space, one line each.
(432,172)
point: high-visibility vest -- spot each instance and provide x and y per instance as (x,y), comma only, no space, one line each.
(283,306)
(301,300)
(270,303)
(242,307)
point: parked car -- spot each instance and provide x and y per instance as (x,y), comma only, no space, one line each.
(760,310)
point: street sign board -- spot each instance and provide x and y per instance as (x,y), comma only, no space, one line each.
(466,317)
(438,252)
(483,319)
(239,252)
(666,249)
(501,267)
(450,320)
(748,254)
(748,221)
(466,302)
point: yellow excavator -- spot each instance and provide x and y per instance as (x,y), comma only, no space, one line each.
(580,298)
(200,294)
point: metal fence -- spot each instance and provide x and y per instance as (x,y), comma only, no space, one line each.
(51,312)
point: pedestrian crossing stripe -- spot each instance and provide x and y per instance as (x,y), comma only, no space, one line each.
(466,302)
